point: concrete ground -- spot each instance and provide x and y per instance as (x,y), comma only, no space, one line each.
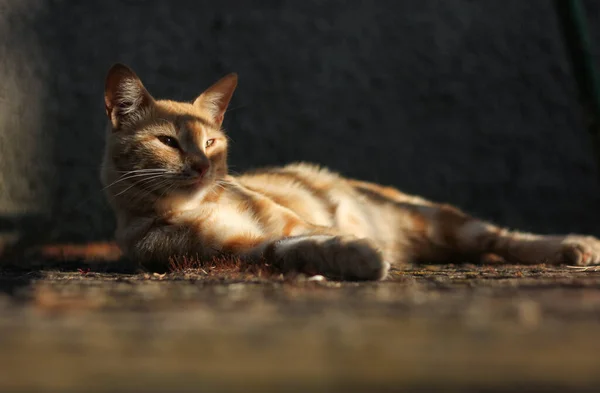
(71,324)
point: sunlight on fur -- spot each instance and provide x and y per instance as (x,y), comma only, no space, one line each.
(166,177)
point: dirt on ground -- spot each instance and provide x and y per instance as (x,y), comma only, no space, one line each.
(71,322)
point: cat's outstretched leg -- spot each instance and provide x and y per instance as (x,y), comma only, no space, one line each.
(454,230)
(336,257)
(332,256)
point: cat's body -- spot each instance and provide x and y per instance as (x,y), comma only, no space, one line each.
(165,172)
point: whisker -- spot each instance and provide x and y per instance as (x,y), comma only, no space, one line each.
(153,177)
(143,170)
(151,189)
(127,177)
(139,196)
(166,190)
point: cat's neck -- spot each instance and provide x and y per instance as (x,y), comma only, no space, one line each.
(200,200)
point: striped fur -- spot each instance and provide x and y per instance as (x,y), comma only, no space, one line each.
(165,175)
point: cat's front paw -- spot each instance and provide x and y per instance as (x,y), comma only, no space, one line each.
(335,257)
(579,250)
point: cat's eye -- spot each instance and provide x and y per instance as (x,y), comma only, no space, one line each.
(210,142)
(169,141)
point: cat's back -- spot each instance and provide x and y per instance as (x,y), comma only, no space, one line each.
(307,175)
(326,198)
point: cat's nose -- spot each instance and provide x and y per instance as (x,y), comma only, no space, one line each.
(199,168)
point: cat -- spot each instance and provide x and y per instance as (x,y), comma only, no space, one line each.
(166,177)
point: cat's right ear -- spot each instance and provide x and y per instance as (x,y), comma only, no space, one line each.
(126,100)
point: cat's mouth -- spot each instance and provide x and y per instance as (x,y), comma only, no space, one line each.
(196,182)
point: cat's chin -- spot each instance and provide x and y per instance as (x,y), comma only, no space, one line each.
(194,186)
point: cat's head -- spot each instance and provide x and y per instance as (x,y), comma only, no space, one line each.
(156,148)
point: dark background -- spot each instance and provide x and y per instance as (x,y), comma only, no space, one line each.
(469,102)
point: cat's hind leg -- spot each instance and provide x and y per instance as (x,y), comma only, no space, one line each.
(458,233)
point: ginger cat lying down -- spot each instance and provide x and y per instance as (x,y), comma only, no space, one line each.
(165,172)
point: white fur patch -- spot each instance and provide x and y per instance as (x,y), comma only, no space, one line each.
(213,103)
(229,220)
(129,108)
(130,92)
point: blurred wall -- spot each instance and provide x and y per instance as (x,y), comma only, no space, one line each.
(470,102)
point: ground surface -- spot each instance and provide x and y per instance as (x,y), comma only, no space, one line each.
(222,328)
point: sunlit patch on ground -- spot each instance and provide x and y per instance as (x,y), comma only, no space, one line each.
(72,317)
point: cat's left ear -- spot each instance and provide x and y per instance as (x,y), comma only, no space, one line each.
(126,100)
(215,99)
